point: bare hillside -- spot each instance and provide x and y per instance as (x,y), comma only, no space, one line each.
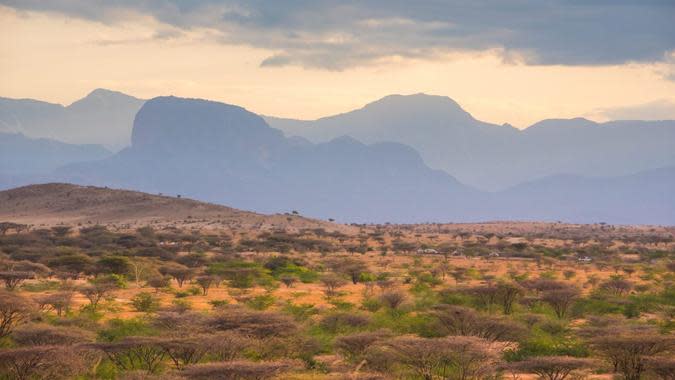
(61,203)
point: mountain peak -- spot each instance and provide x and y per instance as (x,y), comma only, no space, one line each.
(415,100)
(177,124)
(577,122)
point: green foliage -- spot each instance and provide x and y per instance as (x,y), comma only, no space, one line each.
(41,286)
(341,305)
(117,329)
(371,304)
(261,302)
(300,312)
(219,303)
(145,302)
(454,297)
(541,343)
(241,274)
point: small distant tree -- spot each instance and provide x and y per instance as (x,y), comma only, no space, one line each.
(662,368)
(430,358)
(134,353)
(552,367)
(14,310)
(561,300)
(628,350)
(12,279)
(260,324)
(119,265)
(465,321)
(288,280)
(617,286)
(47,335)
(159,282)
(331,283)
(59,302)
(393,299)
(354,346)
(459,274)
(97,290)
(205,282)
(42,362)
(145,302)
(179,272)
(61,231)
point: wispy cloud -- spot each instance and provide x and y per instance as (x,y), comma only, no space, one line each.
(662,109)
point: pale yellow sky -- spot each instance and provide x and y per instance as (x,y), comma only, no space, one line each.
(58,59)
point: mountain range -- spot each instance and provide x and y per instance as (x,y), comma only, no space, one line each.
(225,154)
(494,157)
(102,117)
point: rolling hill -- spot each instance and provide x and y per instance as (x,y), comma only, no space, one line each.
(62,203)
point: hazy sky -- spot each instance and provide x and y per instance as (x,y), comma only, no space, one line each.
(515,61)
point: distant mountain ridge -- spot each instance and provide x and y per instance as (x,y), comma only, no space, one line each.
(224,154)
(573,170)
(102,117)
(494,157)
(23,158)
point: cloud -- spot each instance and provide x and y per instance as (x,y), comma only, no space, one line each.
(340,34)
(662,109)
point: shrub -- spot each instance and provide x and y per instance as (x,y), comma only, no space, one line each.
(145,302)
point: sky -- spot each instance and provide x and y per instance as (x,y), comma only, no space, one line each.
(504,61)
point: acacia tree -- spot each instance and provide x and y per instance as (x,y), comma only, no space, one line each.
(159,282)
(460,320)
(97,290)
(551,367)
(393,299)
(42,362)
(12,279)
(561,300)
(179,272)
(47,335)
(185,351)
(331,283)
(58,302)
(134,353)
(205,282)
(661,367)
(354,346)
(454,357)
(627,349)
(507,294)
(617,286)
(14,310)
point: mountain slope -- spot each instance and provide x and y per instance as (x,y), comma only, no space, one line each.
(225,154)
(102,117)
(22,158)
(642,198)
(493,157)
(56,203)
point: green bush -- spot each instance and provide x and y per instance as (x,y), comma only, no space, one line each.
(261,302)
(145,302)
(371,304)
(117,329)
(300,312)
